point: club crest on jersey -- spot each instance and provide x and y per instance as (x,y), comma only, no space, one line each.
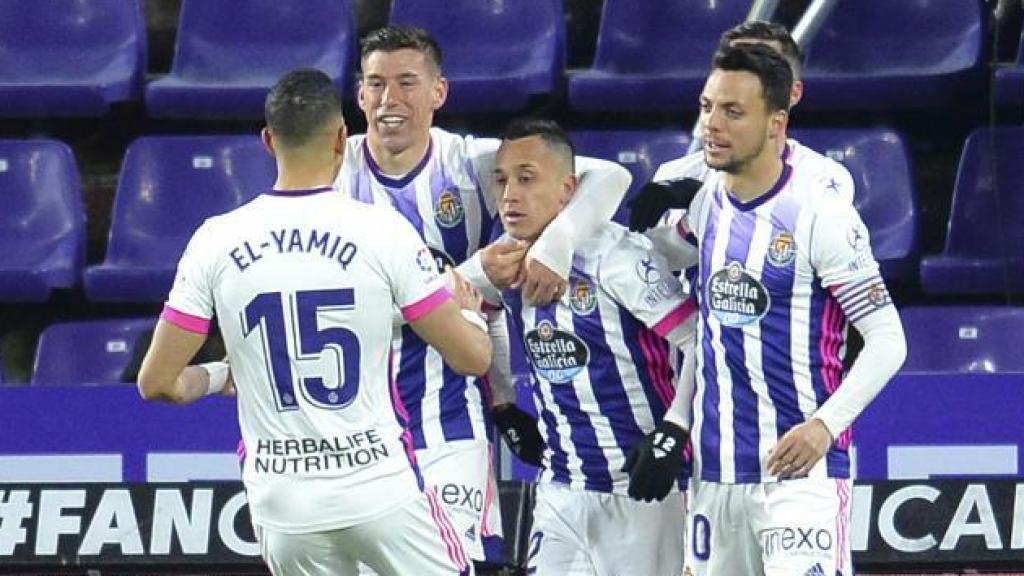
(878,295)
(448,210)
(582,298)
(647,271)
(557,356)
(735,297)
(782,249)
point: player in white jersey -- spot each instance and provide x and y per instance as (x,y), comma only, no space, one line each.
(303,281)
(783,270)
(601,378)
(437,180)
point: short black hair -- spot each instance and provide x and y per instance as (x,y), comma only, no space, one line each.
(760,30)
(392,38)
(556,139)
(767,64)
(299,105)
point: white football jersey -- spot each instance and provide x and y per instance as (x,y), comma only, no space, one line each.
(303,285)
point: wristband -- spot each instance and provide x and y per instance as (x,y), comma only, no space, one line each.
(218,373)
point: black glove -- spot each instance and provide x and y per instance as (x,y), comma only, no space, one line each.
(647,206)
(521,434)
(655,462)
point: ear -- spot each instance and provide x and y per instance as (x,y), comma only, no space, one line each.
(777,124)
(268,141)
(339,143)
(440,92)
(569,185)
(796,93)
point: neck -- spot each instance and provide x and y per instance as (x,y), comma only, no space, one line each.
(304,174)
(397,163)
(756,178)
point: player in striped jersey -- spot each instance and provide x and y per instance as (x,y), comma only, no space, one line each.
(784,268)
(437,180)
(601,377)
(303,280)
(673,183)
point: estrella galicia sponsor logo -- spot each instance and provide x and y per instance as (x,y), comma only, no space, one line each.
(557,355)
(582,298)
(782,249)
(735,297)
(448,210)
(797,541)
(647,271)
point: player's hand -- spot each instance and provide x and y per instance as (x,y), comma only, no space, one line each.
(503,263)
(541,286)
(464,294)
(520,432)
(648,205)
(654,464)
(799,450)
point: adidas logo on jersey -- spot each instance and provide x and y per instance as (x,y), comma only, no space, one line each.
(815,570)
(471,533)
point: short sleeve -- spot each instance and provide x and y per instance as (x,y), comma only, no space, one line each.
(190,303)
(417,286)
(640,281)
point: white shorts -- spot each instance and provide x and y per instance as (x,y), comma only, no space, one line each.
(463,474)
(792,527)
(582,533)
(415,539)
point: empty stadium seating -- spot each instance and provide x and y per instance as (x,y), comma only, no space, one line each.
(653,55)
(60,58)
(42,221)
(89,352)
(983,242)
(878,54)
(638,150)
(497,55)
(878,161)
(229,54)
(168,186)
(1009,80)
(963,339)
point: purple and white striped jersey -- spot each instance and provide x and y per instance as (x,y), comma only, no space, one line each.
(600,356)
(446,200)
(780,279)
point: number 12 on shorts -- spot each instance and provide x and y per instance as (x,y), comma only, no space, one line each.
(283,320)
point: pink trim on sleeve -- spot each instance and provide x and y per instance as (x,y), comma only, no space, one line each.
(186,321)
(417,310)
(674,318)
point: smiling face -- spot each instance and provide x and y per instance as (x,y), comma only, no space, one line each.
(735,120)
(531,185)
(399,92)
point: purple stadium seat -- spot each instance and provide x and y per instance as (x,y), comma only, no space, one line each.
(983,253)
(878,160)
(89,352)
(168,186)
(879,54)
(963,339)
(497,55)
(639,151)
(42,222)
(229,54)
(60,58)
(1009,80)
(653,55)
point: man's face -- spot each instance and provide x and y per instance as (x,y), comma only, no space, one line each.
(734,120)
(398,94)
(531,186)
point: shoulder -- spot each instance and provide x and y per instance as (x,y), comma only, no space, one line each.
(689,166)
(816,170)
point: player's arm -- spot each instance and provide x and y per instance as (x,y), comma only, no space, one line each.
(462,343)
(180,333)
(165,374)
(842,257)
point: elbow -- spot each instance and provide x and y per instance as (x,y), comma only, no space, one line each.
(148,388)
(475,359)
(154,388)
